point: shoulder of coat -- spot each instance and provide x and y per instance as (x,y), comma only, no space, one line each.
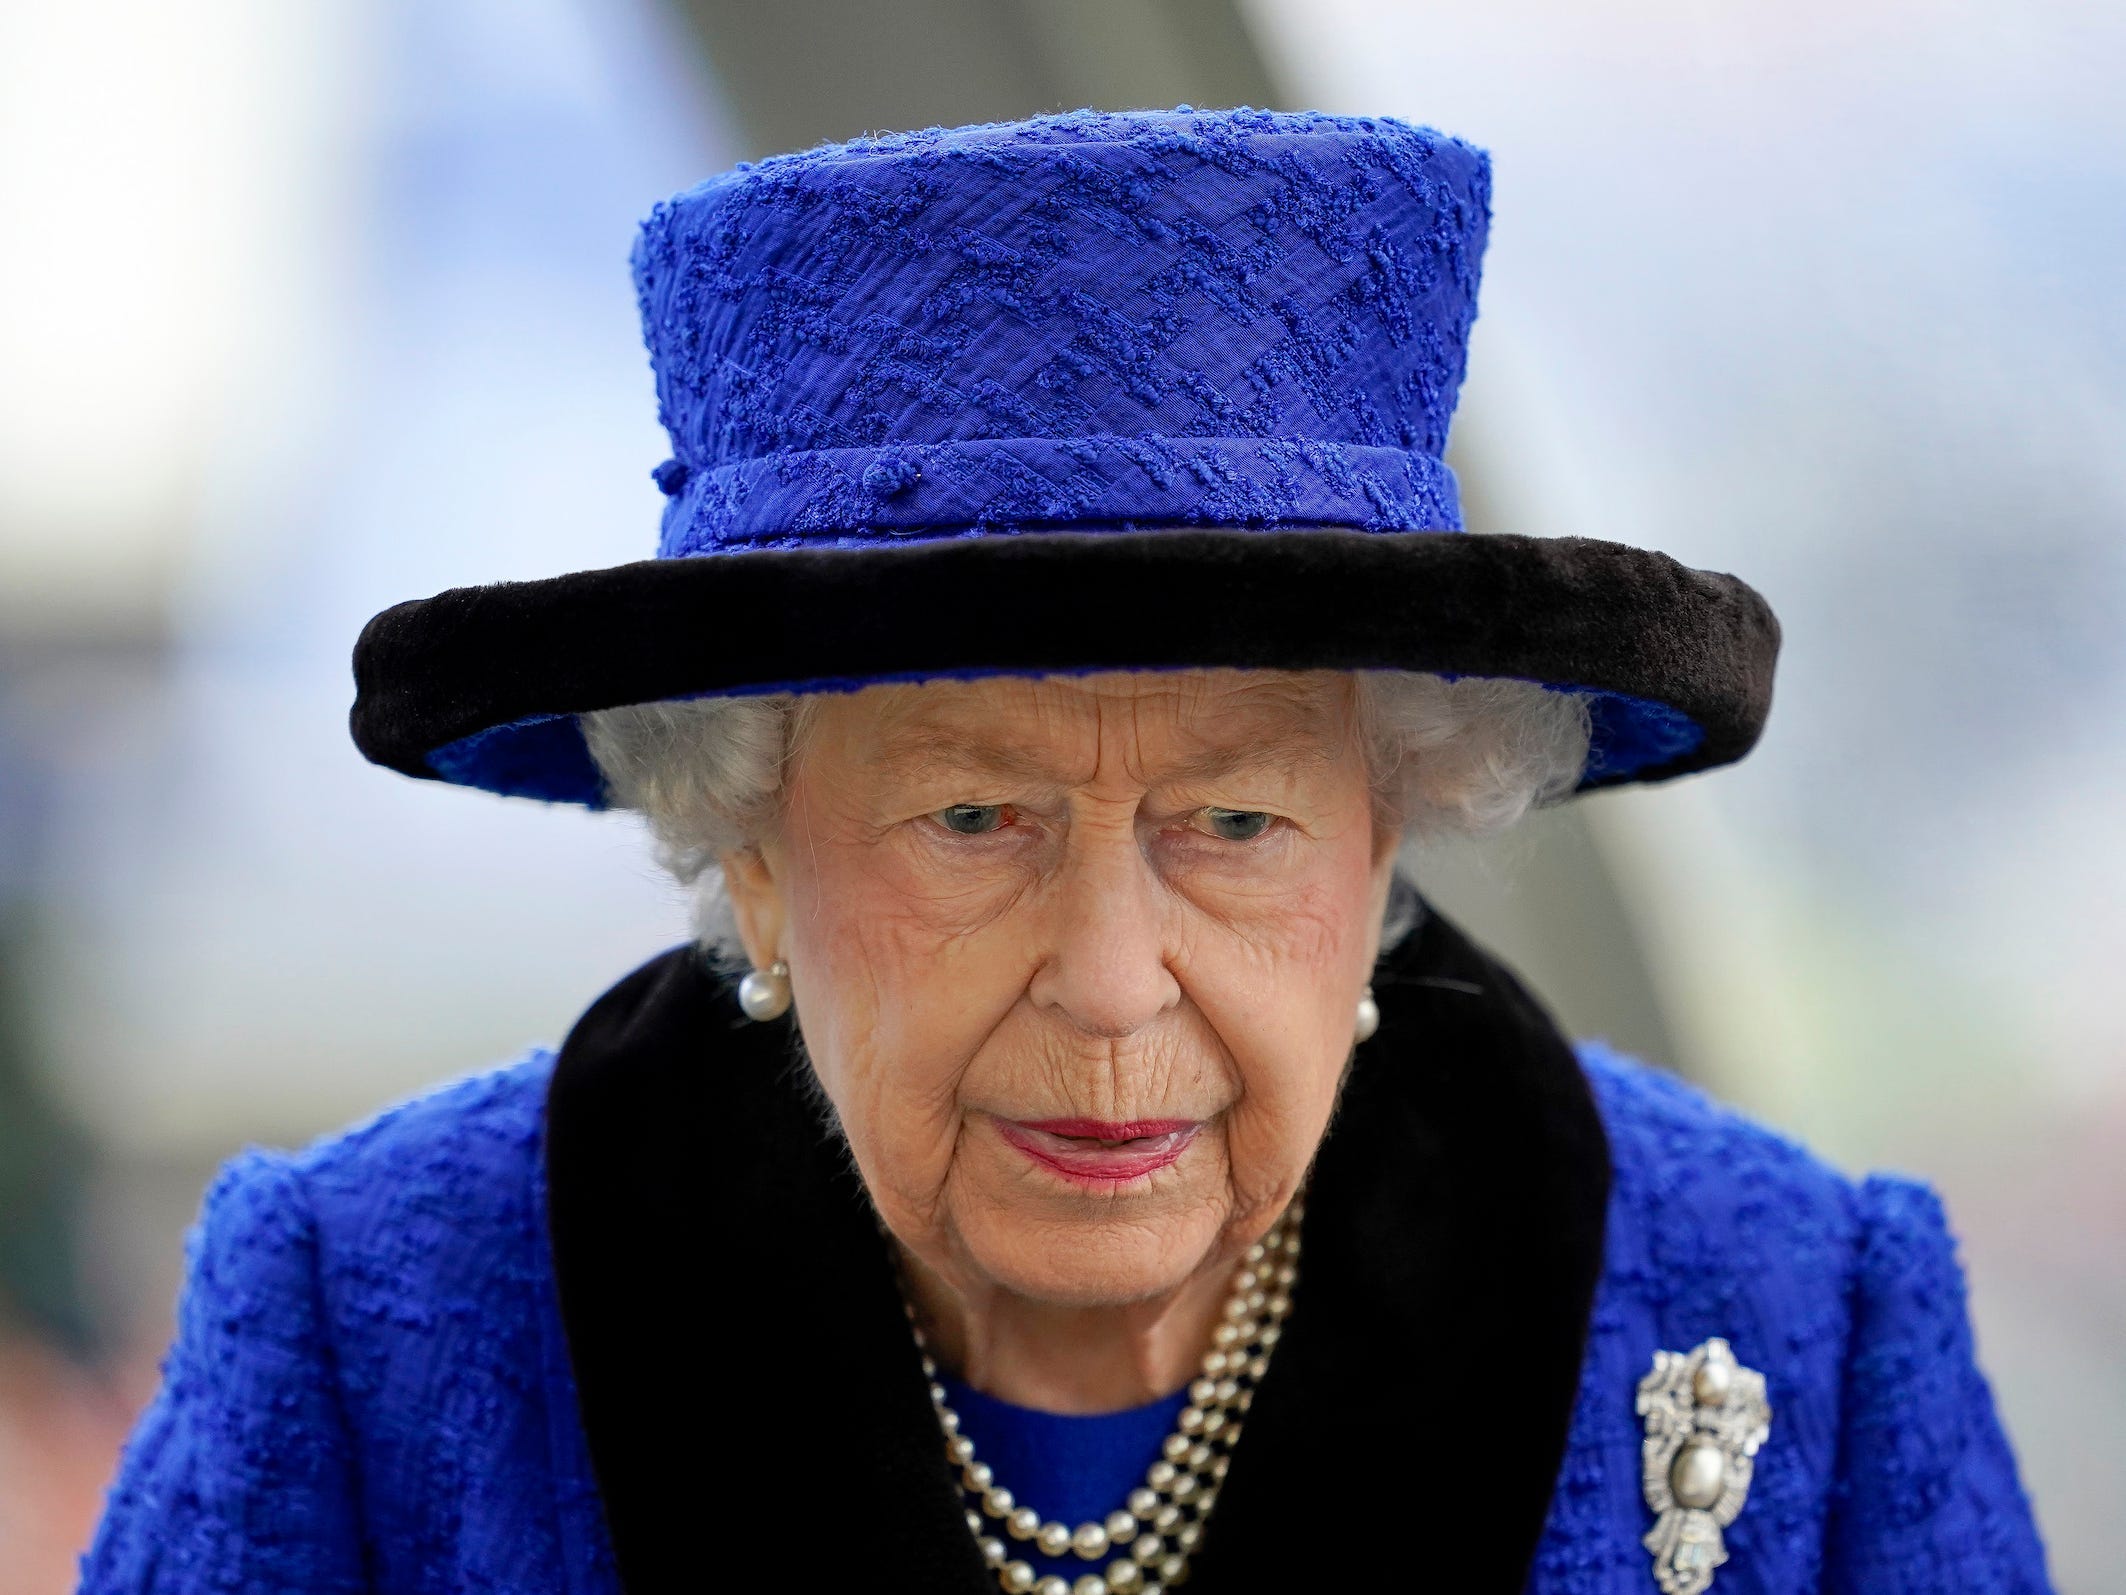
(1688,1164)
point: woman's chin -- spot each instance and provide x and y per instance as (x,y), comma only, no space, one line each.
(1085,1284)
(1102,1257)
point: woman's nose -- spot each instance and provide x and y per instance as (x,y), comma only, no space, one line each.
(1105,969)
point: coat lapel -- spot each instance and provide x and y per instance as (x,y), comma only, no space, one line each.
(746,1377)
(747,1381)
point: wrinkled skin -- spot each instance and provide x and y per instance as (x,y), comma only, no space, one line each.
(1116,897)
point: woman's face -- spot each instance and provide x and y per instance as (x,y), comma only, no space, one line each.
(1077,960)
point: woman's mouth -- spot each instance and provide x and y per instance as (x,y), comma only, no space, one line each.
(1099,1153)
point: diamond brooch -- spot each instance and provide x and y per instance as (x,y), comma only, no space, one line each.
(1706,1415)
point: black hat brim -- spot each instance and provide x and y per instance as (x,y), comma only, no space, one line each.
(480,684)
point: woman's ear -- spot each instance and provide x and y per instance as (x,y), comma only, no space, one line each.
(756,903)
(1387,843)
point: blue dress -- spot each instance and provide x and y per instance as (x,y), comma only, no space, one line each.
(1073,1468)
(372,1385)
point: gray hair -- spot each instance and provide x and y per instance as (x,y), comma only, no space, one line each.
(1449,757)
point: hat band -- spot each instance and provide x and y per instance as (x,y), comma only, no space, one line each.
(858,496)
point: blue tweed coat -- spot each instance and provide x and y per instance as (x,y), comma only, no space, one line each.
(488,1341)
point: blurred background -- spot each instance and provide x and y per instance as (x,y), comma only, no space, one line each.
(308,308)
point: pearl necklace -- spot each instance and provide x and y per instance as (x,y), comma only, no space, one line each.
(1162,1523)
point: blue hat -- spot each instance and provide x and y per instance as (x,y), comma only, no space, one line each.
(1143,390)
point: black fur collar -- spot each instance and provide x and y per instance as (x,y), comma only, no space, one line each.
(746,1378)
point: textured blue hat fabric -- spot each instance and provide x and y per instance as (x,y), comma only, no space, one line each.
(1140,390)
(1097,320)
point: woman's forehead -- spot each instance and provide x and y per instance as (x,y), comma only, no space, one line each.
(1196,716)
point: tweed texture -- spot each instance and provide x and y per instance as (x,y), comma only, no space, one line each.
(1239,326)
(369,1391)
(1887,1468)
(1240,318)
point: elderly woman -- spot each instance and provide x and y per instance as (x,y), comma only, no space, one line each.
(1072,1158)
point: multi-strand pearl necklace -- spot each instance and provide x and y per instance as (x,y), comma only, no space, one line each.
(1162,1523)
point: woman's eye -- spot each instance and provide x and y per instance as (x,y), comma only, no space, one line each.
(1236,825)
(973,819)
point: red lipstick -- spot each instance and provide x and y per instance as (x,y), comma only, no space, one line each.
(1101,1153)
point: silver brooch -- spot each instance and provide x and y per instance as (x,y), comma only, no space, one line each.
(1705,1417)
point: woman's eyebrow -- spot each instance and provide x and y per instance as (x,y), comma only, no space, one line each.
(1290,750)
(921,751)
(924,750)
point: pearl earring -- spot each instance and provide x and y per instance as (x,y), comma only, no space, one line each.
(765,993)
(1368,1016)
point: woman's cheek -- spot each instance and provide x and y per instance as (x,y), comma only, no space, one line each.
(909,999)
(1284,1006)
(898,1110)
(1273,1131)
(1290,1062)
(898,1057)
